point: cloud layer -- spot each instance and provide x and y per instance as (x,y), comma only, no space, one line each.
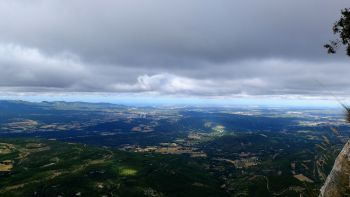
(184,47)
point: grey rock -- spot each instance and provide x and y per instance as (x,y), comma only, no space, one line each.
(337,183)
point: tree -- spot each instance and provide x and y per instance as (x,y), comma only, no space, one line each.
(341,28)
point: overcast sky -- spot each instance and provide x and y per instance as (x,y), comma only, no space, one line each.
(197,48)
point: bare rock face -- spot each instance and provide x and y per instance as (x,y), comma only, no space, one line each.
(338,181)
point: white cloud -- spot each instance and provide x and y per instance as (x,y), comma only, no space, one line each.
(25,69)
(177,85)
(164,83)
(29,67)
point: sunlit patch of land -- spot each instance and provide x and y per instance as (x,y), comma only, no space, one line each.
(126,171)
(6,166)
(303,178)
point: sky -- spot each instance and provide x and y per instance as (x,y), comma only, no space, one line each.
(187,49)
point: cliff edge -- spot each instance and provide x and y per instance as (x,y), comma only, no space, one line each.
(337,183)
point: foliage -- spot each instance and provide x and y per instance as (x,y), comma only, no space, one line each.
(342,29)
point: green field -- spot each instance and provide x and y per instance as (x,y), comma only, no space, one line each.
(51,168)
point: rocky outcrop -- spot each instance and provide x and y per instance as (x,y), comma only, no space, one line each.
(337,183)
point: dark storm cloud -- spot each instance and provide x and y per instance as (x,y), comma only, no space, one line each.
(192,47)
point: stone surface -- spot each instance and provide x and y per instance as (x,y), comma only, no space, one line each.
(337,182)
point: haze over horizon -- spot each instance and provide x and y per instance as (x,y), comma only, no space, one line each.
(194,49)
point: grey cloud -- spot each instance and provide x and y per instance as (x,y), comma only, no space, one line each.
(172,32)
(183,47)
